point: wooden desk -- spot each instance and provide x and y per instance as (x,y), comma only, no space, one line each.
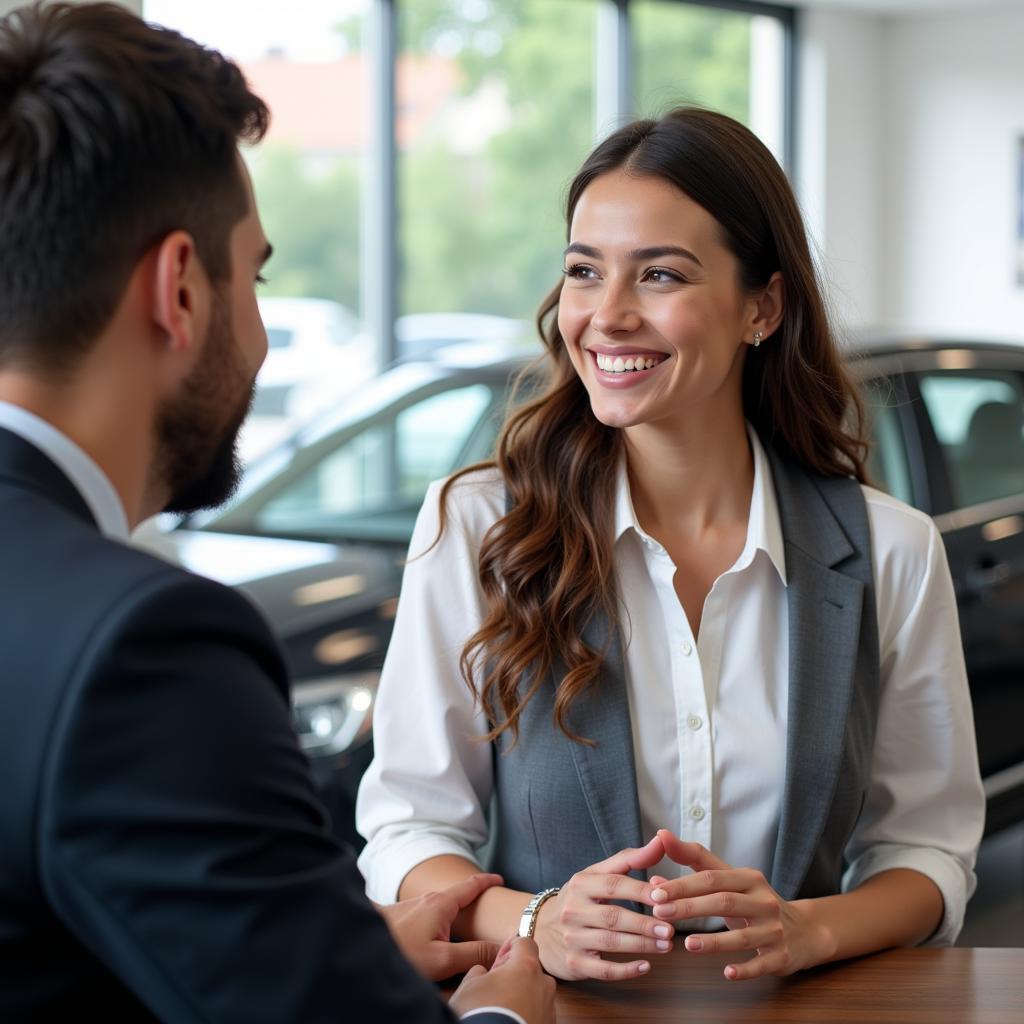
(952,986)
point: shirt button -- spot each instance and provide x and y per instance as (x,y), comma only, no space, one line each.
(686,647)
(694,722)
(697,812)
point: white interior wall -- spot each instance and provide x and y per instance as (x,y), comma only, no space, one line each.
(953,119)
(839,99)
(907,141)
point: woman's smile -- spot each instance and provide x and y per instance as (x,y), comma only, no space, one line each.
(625,367)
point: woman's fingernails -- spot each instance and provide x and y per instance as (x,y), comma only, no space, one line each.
(664,931)
(730,972)
(694,944)
(659,895)
(663,944)
(643,967)
(665,910)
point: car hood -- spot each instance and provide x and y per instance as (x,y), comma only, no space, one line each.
(298,584)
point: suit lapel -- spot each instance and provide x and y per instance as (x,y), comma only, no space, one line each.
(607,771)
(825,609)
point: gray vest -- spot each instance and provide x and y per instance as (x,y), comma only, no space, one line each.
(560,806)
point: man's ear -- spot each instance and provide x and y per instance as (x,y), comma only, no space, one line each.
(180,291)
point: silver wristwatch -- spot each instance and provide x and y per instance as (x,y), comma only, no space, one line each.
(528,919)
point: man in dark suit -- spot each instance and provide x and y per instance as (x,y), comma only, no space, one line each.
(162,851)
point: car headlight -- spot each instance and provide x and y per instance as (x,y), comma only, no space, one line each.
(334,714)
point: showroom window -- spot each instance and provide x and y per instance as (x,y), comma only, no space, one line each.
(413,179)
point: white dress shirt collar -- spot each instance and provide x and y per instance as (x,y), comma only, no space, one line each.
(764,529)
(89,480)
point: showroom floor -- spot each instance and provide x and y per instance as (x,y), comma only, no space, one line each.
(995,916)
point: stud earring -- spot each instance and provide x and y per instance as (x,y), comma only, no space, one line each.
(758,335)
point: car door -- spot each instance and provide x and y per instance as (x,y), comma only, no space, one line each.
(969,406)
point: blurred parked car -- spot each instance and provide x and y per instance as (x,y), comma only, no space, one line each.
(315,354)
(421,334)
(318,352)
(318,530)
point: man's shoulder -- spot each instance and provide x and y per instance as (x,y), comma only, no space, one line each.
(56,543)
(140,579)
(145,594)
(66,578)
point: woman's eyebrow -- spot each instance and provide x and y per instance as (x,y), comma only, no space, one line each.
(583,250)
(657,251)
(652,252)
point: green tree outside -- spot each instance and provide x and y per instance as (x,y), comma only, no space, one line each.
(313,218)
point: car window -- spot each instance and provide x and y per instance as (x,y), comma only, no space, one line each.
(270,400)
(978,418)
(279,337)
(432,434)
(887,465)
(375,482)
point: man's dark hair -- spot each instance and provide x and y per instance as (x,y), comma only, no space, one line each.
(113,133)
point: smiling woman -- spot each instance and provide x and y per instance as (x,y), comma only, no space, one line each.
(672,608)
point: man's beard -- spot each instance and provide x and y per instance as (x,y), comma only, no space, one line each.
(197,431)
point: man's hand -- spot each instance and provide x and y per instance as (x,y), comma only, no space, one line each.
(422,928)
(516,982)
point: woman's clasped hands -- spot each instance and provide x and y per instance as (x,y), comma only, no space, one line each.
(586,920)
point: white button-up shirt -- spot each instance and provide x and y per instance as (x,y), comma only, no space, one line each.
(709,713)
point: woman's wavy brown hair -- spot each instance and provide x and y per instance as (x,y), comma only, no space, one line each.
(546,567)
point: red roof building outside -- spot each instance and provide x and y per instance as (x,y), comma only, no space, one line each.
(323,107)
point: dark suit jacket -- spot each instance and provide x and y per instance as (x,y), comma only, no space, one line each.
(162,852)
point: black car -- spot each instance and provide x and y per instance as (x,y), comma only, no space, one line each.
(318,531)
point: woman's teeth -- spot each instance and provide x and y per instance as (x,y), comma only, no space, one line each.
(621,364)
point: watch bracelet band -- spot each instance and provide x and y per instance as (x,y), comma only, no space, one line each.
(528,918)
